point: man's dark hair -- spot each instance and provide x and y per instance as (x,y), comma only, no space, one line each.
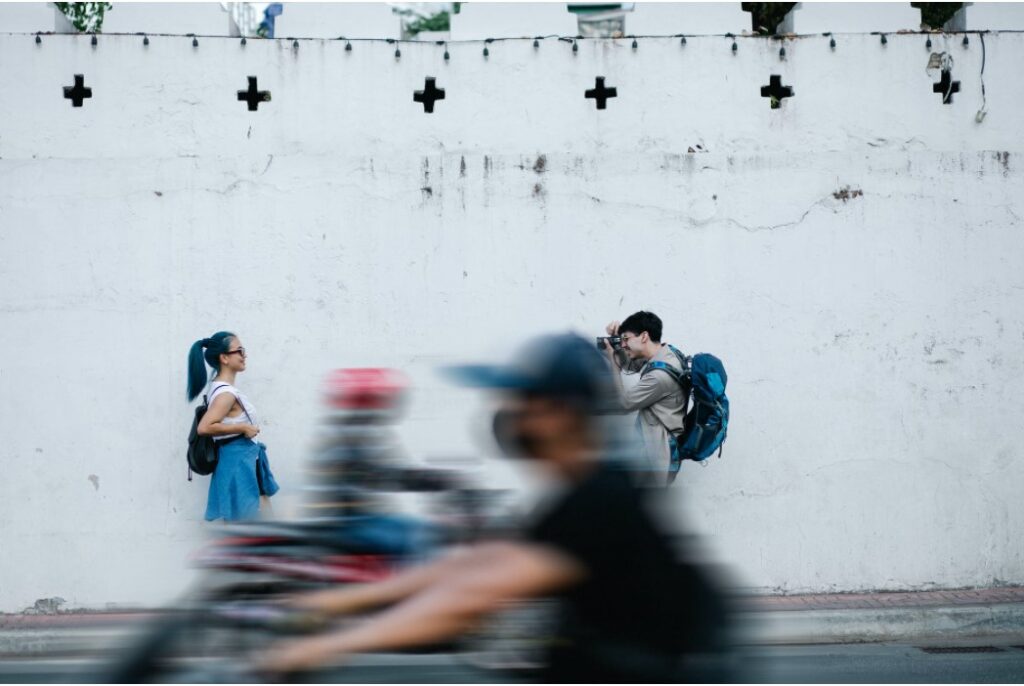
(642,321)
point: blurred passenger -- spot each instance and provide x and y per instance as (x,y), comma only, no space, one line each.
(631,609)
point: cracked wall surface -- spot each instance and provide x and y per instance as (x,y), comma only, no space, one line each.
(854,257)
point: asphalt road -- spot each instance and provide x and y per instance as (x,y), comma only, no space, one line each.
(873,663)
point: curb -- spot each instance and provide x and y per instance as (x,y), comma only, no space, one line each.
(875,625)
(79,635)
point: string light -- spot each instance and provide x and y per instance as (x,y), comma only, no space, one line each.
(832,43)
(243,40)
(965,40)
(635,46)
(575,47)
(39,39)
(145,40)
(884,39)
(94,40)
(928,44)
(348,47)
(682,40)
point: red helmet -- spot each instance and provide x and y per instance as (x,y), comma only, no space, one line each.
(365,389)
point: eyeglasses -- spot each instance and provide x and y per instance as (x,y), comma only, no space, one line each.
(240,351)
(625,337)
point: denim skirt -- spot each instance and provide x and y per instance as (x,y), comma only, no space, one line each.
(241,477)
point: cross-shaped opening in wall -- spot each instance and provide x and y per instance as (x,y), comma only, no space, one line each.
(253,96)
(429,95)
(947,86)
(77,93)
(776,91)
(600,93)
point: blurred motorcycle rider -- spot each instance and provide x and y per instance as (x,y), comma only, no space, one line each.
(631,610)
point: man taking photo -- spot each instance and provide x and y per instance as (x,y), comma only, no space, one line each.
(658,398)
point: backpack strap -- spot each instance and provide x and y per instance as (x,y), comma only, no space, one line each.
(240,404)
(685,362)
(212,391)
(681,376)
(677,376)
(237,399)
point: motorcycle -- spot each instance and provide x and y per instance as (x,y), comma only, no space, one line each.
(348,534)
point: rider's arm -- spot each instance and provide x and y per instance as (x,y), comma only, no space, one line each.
(487,577)
(352,599)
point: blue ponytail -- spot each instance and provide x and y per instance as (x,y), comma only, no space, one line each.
(216,345)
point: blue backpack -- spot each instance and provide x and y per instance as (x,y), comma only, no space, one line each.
(705,424)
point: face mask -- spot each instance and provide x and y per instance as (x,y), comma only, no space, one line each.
(512,442)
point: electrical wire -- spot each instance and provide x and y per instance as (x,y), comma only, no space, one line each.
(981,113)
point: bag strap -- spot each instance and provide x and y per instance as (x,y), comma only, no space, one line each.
(212,391)
(685,362)
(680,375)
(237,399)
(677,375)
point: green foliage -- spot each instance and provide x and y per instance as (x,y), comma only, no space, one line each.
(85,16)
(765,16)
(935,14)
(435,22)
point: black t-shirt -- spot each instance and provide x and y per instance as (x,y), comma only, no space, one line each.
(640,606)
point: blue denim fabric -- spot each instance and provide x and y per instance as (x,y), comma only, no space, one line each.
(235,487)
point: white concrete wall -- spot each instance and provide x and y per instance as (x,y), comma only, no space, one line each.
(27,17)
(664,18)
(992,16)
(851,17)
(873,343)
(200,18)
(481,20)
(331,20)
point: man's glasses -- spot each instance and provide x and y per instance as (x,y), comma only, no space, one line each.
(240,351)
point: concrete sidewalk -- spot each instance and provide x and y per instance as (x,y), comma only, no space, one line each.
(876,617)
(943,616)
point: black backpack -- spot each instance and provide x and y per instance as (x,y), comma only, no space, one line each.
(202,450)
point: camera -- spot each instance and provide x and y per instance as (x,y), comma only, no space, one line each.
(618,352)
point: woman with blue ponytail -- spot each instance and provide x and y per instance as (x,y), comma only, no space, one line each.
(243,480)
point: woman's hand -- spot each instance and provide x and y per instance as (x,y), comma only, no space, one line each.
(250,431)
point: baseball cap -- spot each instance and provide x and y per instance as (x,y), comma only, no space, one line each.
(563,366)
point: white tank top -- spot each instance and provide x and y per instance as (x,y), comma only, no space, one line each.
(248,416)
